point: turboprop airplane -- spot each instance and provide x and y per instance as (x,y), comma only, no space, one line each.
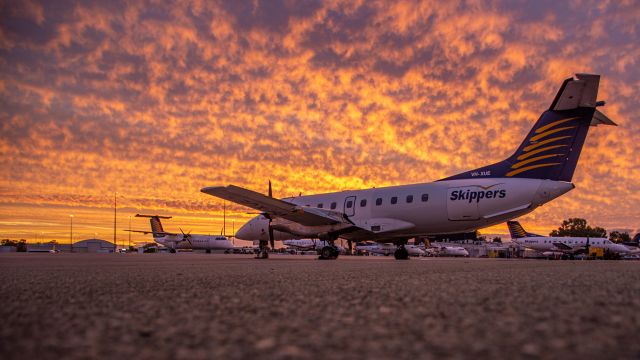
(539,171)
(307,244)
(551,245)
(175,241)
(387,249)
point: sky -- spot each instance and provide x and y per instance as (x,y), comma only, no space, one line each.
(156,99)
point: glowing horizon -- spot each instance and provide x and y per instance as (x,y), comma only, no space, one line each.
(156,101)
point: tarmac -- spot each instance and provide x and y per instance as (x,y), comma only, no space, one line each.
(210,306)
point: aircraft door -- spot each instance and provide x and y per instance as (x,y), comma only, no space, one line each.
(350,206)
(460,206)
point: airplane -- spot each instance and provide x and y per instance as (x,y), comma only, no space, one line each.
(387,249)
(452,251)
(307,244)
(175,241)
(551,245)
(539,171)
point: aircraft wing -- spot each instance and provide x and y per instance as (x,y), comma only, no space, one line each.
(562,247)
(277,208)
(161,233)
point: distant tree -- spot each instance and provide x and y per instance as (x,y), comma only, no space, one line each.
(7,242)
(482,238)
(636,238)
(617,237)
(21,245)
(497,239)
(577,227)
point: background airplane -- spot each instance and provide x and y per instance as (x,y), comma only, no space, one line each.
(388,248)
(307,244)
(551,246)
(451,251)
(182,240)
(540,170)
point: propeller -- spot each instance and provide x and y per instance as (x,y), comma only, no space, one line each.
(350,245)
(586,246)
(271,238)
(186,237)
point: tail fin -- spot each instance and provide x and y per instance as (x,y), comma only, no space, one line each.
(156,225)
(552,147)
(517,231)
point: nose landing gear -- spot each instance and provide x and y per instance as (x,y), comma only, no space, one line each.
(401,253)
(263,252)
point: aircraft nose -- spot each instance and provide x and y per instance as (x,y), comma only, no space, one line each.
(244,233)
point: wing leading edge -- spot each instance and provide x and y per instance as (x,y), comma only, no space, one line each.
(277,208)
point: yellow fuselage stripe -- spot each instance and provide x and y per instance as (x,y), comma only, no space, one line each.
(545,134)
(549,126)
(525,162)
(516,172)
(531,153)
(544,142)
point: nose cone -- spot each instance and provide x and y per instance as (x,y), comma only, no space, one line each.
(245,232)
(255,229)
(550,190)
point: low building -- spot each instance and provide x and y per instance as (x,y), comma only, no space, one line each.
(6,249)
(93,246)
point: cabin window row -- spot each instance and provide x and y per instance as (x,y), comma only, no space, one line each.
(363,202)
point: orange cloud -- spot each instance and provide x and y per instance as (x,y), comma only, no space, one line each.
(157,102)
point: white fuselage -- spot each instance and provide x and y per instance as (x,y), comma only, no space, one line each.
(388,249)
(546,243)
(455,251)
(196,242)
(305,244)
(397,212)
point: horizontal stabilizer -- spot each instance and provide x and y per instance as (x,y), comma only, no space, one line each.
(601,119)
(580,91)
(153,216)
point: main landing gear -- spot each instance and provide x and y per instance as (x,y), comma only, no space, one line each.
(401,253)
(329,252)
(263,252)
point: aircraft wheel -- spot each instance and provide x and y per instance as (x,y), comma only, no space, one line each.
(173,251)
(401,253)
(328,253)
(208,251)
(263,254)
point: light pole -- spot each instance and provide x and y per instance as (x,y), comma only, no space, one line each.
(71,234)
(129,245)
(233,222)
(115,207)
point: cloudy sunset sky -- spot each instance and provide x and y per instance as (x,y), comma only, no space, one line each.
(158,99)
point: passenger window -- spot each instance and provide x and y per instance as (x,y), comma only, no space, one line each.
(378,201)
(320,206)
(333,205)
(409,199)
(363,202)
(349,204)
(425,197)
(394,200)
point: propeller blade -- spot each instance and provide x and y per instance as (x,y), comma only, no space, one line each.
(350,244)
(270,191)
(271,239)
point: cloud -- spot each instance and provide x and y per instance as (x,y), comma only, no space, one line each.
(158,100)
